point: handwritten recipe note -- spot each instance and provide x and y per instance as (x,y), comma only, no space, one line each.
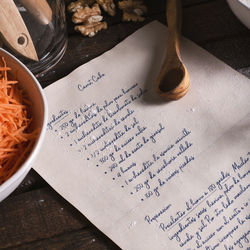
(153,174)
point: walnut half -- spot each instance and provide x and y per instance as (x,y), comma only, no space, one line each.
(87,14)
(91,18)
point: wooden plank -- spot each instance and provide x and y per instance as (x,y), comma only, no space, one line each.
(211,21)
(89,239)
(191,3)
(37,215)
(42,218)
(233,51)
(31,182)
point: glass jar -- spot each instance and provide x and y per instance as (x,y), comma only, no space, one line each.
(46,26)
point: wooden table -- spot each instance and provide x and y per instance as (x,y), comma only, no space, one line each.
(35,216)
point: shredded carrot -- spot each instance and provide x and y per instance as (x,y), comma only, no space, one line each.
(16,137)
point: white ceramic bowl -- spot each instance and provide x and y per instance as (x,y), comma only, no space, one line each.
(241,9)
(39,111)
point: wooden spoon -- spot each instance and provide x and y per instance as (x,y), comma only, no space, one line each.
(14,31)
(173,80)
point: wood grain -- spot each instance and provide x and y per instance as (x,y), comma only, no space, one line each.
(41,218)
(89,239)
(15,33)
(45,215)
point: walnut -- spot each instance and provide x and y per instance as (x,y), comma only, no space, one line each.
(87,14)
(91,18)
(133,10)
(108,6)
(79,4)
(90,29)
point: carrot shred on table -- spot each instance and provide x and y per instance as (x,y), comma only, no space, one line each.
(16,139)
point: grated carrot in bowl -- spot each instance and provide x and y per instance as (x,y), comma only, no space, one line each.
(16,135)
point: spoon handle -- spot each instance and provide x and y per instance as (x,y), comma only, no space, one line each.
(173,82)
(173,13)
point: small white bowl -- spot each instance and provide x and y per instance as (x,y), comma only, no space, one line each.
(241,9)
(39,119)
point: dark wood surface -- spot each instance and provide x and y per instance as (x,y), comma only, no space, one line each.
(34,216)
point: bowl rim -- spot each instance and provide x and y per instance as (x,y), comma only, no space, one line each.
(27,163)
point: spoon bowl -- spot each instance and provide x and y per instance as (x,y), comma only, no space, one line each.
(174,83)
(173,80)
